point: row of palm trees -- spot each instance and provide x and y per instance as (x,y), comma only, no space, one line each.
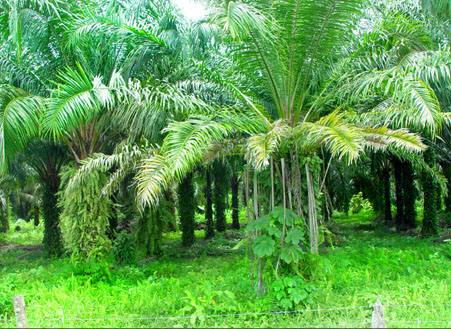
(138,100)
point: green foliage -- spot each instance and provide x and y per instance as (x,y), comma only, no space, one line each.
(292,291)
(268,231)
(93,270)
(124,248)
(84,220)
(358,203)
(401,269)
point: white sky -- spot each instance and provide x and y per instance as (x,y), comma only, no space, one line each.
(192,9)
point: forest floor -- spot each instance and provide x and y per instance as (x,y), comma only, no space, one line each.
(209,285)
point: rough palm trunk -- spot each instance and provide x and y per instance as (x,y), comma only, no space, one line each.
(409,195)
(220,193)
(399,194)
(387,195)
(52,233)
(235,202)
(430,187)
(313,221)
(447,173)
(209,228)
(186,210)
(36,213)
(405,194)
(4,218)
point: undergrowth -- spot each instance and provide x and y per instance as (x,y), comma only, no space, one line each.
(211,279)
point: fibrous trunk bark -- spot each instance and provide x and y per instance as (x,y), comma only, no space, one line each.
(409,195)
(430,187)
(387,195)
(399,198)
(209,227)
(51,212)
(405,194)
(4,217)
(447,173)
(235,202)
(220,193)
(313,221)
(186,210)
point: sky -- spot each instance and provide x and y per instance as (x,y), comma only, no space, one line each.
(192,9)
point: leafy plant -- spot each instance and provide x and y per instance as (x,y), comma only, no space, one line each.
(291,291)
(94,271)
(358,203)
(279,236)
(124,248)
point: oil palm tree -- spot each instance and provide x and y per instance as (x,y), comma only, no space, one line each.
(282,58)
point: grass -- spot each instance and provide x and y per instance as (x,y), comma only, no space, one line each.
(213,279)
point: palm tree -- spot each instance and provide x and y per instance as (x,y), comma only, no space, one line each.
(282,59)
(46,159)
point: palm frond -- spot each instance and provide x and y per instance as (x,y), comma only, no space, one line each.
(383,138)
(260,147)
(75,101)
(344,140)
(19,120)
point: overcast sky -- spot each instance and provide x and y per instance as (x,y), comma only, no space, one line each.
(192,9)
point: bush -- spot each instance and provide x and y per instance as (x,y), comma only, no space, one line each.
(358,203)
(124,248)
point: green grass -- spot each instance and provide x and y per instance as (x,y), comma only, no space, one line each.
(213,279)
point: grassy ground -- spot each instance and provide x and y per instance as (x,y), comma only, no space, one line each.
(411,276)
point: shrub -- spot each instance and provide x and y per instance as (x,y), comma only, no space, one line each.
(124,248)
(358,203)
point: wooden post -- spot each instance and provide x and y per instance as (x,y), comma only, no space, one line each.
(377,318)
(19,311)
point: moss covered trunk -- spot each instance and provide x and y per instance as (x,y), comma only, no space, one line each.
(186,210)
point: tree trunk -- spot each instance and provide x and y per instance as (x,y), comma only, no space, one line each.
(52,233)
(399,219)
(4,218)
(220,194)
(313,221)
(36,213)
(387,195)
(235,203)
(209,227)
(405,194)
(186,210)
(409,195)
(430,186)
(447,173)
